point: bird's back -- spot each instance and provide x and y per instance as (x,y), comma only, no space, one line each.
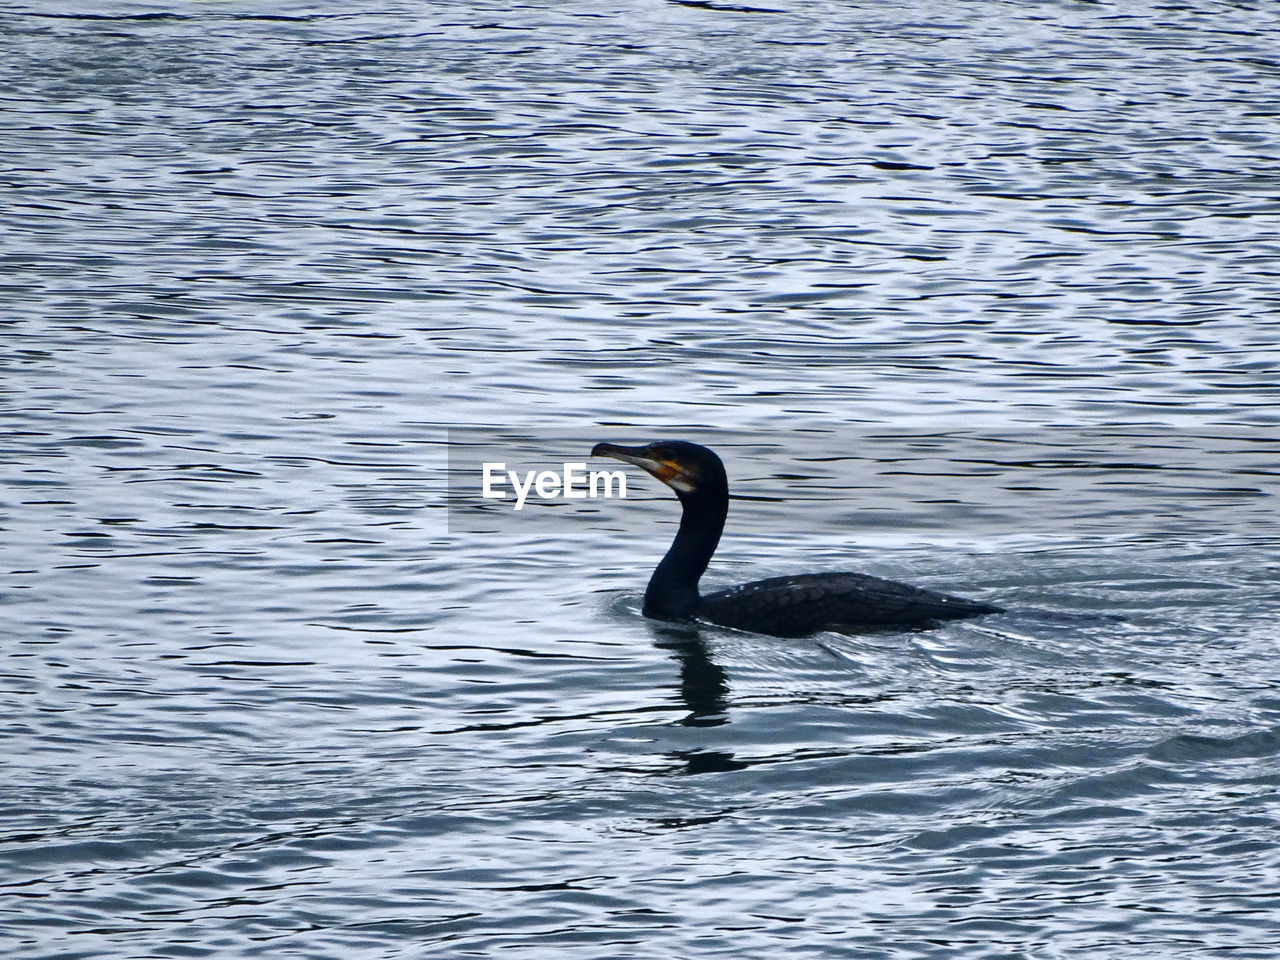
(800,605)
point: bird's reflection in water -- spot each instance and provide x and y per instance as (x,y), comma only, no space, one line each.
(705,691)
(707,761)
(703,685)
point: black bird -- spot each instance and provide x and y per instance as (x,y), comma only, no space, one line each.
(793,606)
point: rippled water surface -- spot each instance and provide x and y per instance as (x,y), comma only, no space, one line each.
(982,296)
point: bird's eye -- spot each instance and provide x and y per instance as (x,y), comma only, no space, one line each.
(665,453)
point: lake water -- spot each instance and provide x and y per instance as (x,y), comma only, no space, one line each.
(980,296)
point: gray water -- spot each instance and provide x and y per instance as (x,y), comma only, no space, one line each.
(981,296)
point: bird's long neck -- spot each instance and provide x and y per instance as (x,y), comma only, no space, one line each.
(673,589)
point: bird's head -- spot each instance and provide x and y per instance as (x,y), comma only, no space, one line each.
(684,467)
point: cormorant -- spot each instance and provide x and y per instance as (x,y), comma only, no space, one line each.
(794,606)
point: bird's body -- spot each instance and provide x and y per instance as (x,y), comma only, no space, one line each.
(793,606)
(806,603)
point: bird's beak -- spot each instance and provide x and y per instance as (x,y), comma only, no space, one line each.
(664,470)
